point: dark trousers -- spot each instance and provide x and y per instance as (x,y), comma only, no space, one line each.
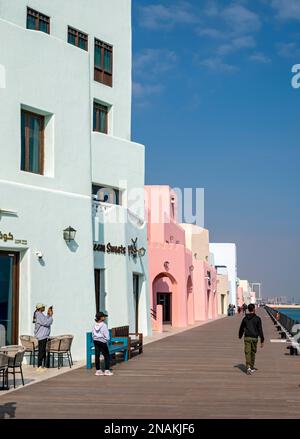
(42,352)
(101,348)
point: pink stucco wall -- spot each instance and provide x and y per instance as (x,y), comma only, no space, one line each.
(172,267)
(240,298)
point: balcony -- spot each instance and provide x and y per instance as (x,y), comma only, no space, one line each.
(113,213)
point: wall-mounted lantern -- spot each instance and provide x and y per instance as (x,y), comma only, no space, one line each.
(142,252)
(167,265)
(69,234)
(191,268)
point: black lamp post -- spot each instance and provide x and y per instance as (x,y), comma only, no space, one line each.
(69,234)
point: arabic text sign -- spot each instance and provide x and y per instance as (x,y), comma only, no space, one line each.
(6,237)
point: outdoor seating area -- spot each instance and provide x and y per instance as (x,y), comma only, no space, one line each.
(11,363)
(12,357)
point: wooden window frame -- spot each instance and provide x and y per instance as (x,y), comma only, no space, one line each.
(29,114)
(98,108)
(78,33)
(100,74)
(16,276)
(39,17)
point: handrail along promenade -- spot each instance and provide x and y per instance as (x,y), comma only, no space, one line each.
(286,327)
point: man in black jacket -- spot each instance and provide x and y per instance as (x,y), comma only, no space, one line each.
(251,327)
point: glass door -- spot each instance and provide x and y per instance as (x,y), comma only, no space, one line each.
(9,297)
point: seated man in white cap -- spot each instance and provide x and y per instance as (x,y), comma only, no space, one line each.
(42,332)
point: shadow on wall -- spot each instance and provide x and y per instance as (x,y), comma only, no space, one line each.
(8,410)
(73,246)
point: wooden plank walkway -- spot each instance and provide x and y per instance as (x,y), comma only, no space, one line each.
(195,374)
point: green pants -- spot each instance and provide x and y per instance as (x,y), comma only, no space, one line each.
(250,351)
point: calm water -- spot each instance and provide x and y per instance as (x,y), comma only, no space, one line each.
(294,313)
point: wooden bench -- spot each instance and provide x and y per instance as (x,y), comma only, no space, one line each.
(114,345)
(134,340)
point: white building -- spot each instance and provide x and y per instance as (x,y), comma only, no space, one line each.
(65,135)
(249,296)
(224,255)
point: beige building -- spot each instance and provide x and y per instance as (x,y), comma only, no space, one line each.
(197,240)
(222,290)
(245,285)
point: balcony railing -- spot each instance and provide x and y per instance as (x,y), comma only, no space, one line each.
(101,208)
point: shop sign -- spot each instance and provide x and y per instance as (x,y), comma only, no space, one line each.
(6,237)
(131,250)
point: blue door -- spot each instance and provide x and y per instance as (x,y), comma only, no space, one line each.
(9,300)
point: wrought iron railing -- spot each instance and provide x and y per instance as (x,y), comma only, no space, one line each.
(153,314)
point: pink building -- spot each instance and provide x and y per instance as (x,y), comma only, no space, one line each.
(182,283)
(240,296)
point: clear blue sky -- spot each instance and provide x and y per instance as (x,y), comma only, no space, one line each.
(214,105)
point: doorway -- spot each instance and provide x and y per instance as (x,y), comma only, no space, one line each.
(165,299)
(9,296)
(100,290)
(136,298)
(222,304)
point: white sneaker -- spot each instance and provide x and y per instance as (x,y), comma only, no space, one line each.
(99,373)
(253,370)
(108,373)
(249,371)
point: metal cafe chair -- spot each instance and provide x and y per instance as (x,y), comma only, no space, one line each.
(60,346)
(15,354)
(4,370)
(30,344)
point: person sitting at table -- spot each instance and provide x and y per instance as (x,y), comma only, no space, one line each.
(42,332)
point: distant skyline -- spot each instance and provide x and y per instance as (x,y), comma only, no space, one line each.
(214,105)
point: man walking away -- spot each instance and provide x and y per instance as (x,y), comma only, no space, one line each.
(251,328)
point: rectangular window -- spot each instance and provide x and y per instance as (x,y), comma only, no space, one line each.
(38,21)
(106,194)
(100,289)
(32,142)
(103,63)
(77,38)
(100,118)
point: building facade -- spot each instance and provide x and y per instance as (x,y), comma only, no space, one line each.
(225,255)
(222,290)
(182,281)
(68,160)
(205,275)
(170,262)
(248,296)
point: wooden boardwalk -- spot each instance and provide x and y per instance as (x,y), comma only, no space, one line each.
(195,374)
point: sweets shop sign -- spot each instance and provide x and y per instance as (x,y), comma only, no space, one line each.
(132,249)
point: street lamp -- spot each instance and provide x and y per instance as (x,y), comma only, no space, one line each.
(69,234)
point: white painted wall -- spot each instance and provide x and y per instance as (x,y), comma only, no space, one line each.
(109,21)
(225,254)
(45,73)
(119,269)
